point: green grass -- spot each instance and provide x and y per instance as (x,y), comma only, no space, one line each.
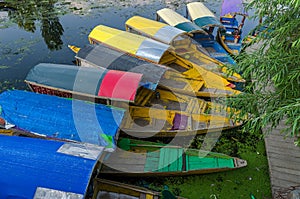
(253,179)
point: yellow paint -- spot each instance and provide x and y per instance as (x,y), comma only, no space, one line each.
(148,26)
(114,37)
(75,49)
(148,196)
(6,132)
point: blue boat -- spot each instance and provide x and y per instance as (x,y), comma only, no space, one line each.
(61,118)
(231,38)
(202,36)
(38,168)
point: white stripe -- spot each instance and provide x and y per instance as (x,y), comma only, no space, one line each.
(45,193)
(83,150)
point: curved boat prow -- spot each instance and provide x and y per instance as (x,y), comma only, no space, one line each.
(240,163)
(75,49)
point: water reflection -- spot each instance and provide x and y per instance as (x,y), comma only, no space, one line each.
(26,14)
(46,27)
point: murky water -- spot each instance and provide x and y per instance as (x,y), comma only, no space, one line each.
(40,31)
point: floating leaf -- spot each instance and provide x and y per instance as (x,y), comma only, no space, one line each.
(4,67)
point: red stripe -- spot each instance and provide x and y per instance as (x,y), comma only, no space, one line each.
(120,85)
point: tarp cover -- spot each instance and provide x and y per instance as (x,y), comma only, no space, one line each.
(115,60)
(129,43)
(202,16)
(30,166)
(118,85)
(232,6)
(175,19)
(85,80)
(154,29)
(61,118)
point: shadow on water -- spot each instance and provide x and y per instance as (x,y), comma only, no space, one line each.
(26,14)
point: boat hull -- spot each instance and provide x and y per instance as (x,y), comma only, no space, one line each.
(155,122)
(231,47)
(151,159)
(37,168)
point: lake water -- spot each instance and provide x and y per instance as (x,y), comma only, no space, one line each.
(40,31)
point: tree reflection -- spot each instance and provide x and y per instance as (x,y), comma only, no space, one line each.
(26,14)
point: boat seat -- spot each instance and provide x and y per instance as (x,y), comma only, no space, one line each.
(179,122)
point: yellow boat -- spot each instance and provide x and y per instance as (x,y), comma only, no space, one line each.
(185,47)
(156,80)
(148,113)
(107,189)
(197,81)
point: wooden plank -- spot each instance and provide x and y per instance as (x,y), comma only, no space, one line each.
(280,150)
(284,160)
(283,157)
(282,183)
(280,139)
(277,133)
(122,168)
(123,160)
(280,169)
(281,147)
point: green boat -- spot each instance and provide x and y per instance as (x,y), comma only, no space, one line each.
(144,158)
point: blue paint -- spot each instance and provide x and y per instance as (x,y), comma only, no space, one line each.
(61,118)
(28,163)
(209,42)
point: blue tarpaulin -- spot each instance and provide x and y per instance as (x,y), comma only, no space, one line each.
(37,168)
(61,118)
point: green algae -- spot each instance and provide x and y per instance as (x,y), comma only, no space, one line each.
(240,183)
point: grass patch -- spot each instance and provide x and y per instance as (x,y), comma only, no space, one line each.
(240,183)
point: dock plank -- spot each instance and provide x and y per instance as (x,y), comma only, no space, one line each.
(284,160)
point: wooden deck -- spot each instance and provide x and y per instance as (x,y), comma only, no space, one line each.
(283,157)
(284,162)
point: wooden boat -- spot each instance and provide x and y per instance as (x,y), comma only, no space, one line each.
(142,158)
(185,47)
(37,168)
(202,83)
(111,189)
(108,85)
(205,19)
(151,113)
(207,41)
(153,74)
(164,78)
(71,170)
(61,118)
(112,59)
(231,38)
